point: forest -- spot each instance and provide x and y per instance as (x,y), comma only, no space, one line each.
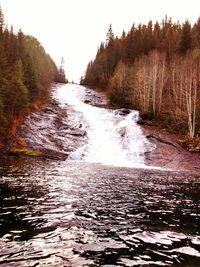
(26,74)
(154,68)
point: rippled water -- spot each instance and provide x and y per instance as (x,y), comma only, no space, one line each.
(85,214)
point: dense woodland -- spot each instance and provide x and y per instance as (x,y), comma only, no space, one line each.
(26,73)
(154,68)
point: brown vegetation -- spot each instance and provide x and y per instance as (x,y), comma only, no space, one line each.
(20,148)
(193,145)
(155,69)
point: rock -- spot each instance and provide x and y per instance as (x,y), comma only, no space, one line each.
(94,99)
(76,132)
(168,153)
(122,131)
(161,140)
(48,110)
(140,121)
(52,154)
(54,102)
(122,112)
(52,132)
(87,101)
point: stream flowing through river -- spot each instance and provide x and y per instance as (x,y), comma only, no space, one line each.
(102,206)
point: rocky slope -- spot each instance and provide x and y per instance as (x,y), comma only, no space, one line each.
(168,152)
(53,131)
(56,132)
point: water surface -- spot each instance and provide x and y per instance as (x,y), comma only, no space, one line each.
(85,214)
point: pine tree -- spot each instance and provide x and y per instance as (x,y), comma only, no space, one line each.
(1,22)
(110,36)
(110,53)
(186,38)
(20,44)
(12,51)
(3,123)
(30,78)
(16,95)
(26,73)
(60,77)
(196,34)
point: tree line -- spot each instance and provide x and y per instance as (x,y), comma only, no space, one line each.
(26,73)
(154,68)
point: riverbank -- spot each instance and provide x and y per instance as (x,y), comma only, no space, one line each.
(56,131)
(168,152)
(52,133)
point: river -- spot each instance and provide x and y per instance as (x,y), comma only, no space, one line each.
(100,207)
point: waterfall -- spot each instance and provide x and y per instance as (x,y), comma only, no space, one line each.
(113,136)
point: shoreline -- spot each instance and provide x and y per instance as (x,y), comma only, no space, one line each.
(169,153)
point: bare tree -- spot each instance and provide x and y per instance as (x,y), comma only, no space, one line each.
(184,82)
(191,64)
(151,77)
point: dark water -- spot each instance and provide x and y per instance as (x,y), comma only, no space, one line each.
(80,214)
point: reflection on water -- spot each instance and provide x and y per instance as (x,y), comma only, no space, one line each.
(81,214)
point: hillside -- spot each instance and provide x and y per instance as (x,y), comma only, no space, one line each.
(26,74)
(153,68)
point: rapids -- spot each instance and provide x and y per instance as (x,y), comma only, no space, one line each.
(113,136)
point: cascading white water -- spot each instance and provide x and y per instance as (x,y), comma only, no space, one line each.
(113,138)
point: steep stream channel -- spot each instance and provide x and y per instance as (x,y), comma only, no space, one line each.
(113,136)
(102,206)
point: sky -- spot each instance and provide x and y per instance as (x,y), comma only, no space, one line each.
(74,29)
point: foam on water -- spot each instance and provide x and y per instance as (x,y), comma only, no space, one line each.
(113,138)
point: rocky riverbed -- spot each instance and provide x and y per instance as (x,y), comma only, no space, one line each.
(56,132)
(168,152)
(53,131)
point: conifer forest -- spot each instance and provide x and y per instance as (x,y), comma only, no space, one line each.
(154,68)
(26,73)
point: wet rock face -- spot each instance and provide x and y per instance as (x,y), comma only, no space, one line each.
(53,131)
(57,130)
(123,111)
(95,99)
(168,153)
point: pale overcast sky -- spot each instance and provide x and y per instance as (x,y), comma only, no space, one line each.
(74,28)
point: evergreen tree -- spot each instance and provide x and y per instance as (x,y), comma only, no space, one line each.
(20,44)
(16,95)
(26,73)
(1,22)
(30,77)
(110,53)
(186,38)
(3,122)
(60,77)
(196,34)
(109,36)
